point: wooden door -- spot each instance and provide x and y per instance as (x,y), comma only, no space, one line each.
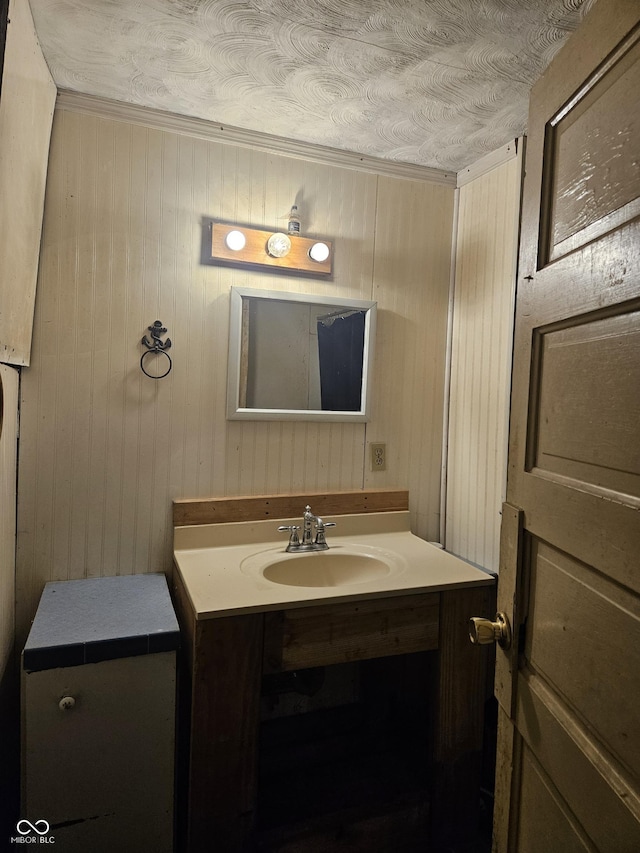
(569,687)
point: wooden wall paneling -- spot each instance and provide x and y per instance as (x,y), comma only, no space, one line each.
(106,450)
(196,329)
(312,455)
(411,284)
(481,361)
(26,112)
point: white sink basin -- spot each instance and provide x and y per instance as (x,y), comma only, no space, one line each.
(339,566)
(325,568)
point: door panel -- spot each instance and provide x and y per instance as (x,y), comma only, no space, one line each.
(565,516)
(569,740)
(580,629)
(587,175)
(597,800)
(586,403)
(546,824)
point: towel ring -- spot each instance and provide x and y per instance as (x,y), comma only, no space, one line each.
(156,347)
(155,352)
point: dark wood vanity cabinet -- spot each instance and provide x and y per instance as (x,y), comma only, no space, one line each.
(424,689)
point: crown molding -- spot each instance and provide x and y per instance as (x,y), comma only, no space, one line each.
(213,131)
(489,162)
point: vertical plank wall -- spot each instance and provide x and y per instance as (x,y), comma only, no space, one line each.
(26,111)
(412,260)
(485,274)
(104,450)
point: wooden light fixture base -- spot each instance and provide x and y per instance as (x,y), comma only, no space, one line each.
(255,253)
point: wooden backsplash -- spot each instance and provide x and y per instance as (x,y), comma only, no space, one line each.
(221,510)
(103,449)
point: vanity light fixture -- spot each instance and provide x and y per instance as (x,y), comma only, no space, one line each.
(319,252)
(235,240)
(279,245)
(240,245)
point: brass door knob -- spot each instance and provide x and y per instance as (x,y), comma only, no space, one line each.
(482,631)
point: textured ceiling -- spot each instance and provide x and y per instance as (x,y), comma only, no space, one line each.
(437,83)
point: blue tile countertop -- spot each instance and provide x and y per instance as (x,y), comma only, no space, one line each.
(96,619)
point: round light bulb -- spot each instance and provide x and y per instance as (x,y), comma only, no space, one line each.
(319,252)
(235,241)
(279,245)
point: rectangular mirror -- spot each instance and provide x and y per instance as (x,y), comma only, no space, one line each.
(293,356)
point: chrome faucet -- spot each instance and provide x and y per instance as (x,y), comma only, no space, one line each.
(308,522)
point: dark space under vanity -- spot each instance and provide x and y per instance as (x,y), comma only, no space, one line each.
(347,726)
(355,776)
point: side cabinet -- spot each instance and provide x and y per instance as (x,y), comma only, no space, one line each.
(98,716)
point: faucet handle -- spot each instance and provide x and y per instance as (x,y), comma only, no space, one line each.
(320,528)
(292,529)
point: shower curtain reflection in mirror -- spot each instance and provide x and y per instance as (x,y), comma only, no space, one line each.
(340,348)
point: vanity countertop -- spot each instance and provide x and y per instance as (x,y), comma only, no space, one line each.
(217,564)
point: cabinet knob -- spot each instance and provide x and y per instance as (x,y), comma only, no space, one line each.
(482,631)
(66,703)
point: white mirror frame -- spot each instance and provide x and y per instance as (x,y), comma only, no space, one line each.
(235,412)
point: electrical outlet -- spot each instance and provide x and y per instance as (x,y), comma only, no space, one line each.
(378,457)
